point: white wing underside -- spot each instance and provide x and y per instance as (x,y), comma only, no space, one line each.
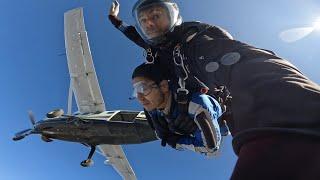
(118,160)
(84,81)
(85,86)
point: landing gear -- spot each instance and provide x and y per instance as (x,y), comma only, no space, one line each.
(55,113)
(89,162)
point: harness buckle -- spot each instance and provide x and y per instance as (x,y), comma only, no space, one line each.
(182,95)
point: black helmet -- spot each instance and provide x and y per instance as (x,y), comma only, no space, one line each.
(146,10)
(151,72)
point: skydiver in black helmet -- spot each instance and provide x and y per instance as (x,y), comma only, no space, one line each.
(152,90)
(274,115)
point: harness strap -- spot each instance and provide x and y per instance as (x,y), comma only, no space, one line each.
(221,93)
(182,92)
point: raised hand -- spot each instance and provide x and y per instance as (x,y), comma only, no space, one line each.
(114,9)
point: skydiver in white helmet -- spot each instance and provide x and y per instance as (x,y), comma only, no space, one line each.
(274,115)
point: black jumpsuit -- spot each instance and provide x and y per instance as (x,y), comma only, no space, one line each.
(275,108)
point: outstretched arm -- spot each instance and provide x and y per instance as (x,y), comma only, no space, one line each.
(127,30)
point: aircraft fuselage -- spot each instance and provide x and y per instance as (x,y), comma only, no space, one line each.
(110,127)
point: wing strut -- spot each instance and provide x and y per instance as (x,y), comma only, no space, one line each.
(70,98)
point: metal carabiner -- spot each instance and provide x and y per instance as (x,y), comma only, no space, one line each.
(149,58)
(177,56)
(178,61)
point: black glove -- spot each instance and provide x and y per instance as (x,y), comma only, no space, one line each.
(171,139)
(160,125)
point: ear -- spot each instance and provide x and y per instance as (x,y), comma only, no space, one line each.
(164,86)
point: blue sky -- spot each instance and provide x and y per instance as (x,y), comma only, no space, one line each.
(34,76)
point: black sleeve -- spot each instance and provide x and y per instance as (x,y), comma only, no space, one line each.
(129,31)
(134,36)
(115,21)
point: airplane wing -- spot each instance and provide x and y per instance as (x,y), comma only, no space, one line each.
(85,86)
(84,80)
(118,160)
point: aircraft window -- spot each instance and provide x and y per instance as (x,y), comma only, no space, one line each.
(125,116)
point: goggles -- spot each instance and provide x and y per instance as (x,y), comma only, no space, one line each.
(142,88)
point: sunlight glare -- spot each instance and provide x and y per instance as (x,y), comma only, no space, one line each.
(294,34)
(316,24)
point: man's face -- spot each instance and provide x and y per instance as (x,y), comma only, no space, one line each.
(154,21)
(153,98)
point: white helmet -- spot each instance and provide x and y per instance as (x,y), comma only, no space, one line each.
(155,18)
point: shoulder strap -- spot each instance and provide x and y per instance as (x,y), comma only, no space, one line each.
(188,81)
